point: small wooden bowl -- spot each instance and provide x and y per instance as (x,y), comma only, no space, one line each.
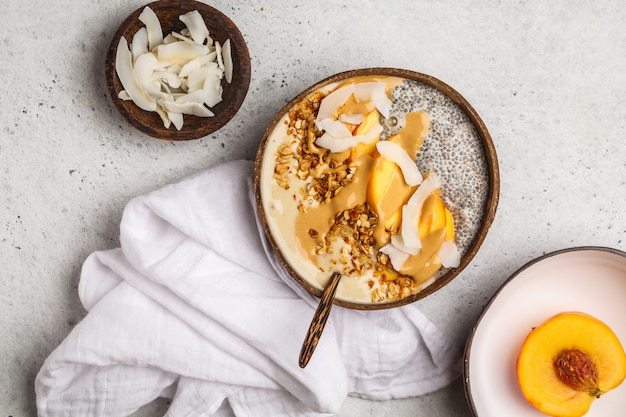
(221,28)
(441,99)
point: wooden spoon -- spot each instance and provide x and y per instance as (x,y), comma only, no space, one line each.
(319,320)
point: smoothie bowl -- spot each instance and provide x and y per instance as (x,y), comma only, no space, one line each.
(385,176)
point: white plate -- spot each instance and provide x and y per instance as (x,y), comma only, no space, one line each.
(591,280)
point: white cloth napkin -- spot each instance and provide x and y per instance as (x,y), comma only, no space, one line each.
(194,307)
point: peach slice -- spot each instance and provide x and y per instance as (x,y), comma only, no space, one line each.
(392,223)
(433,216)
(387,192)
(569,361)
(371,119)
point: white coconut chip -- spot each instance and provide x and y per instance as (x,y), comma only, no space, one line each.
(164,117)
(168,79)
(180,52)
(123,95)
(383,104)
(193,108)
(335,144)
(196,96)
(375,92)
(368,91)
(409,230)
(170,38)
(398,243)
(449,254)
(353,119)
(395,153)
(124,69)
(139,44)
(193,64)
(153,27)
(196,79)
(196,26)
(220,58)
(212,91)
(176,118)
(331,103)
(334,128)
(143,69)
(411,212)
(396,256)
(180,37)
(228,61)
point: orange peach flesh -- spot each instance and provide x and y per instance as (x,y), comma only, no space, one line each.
(536,372)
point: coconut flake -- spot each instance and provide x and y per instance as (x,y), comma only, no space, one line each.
(395,153)
(396,256)
(196,26)
(353,119)
(176,118)
(143,70)
(411,212)
(220,58)
(192,97)
(428,186)
(196,79)
(153,27)
(193,64)
(368,91)
(331,103)
(409,230)
(180,52)
(449,254)
(193,108)
(335,144)
(375,92)
(334,128)
(139,44)
(212,91)
(180,37)
(398,243)
(170,38)
(228,61)
(169,78)
(164,117)
(124,69)
(123,95)
(383,104)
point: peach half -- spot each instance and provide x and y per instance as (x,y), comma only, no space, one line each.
(567,362)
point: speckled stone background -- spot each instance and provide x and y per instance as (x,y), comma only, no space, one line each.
(547,77)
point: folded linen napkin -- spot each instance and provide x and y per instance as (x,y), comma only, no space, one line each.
(195,307)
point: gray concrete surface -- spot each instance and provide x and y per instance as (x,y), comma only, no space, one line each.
(547,77)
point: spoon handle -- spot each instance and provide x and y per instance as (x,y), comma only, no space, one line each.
(319,320)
